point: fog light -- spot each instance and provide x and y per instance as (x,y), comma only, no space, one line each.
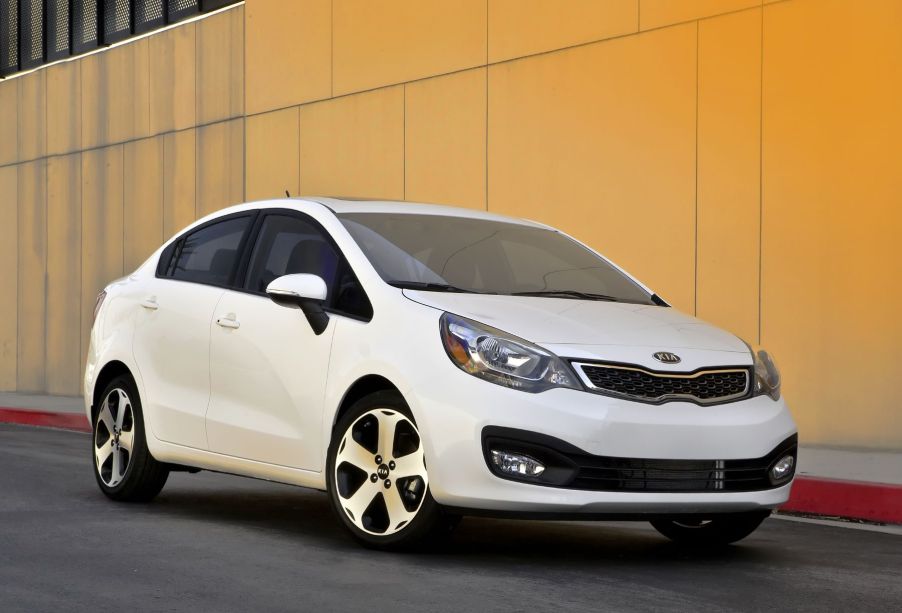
(517,464)
(782,469)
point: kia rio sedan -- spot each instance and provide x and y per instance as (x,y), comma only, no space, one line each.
(420,363)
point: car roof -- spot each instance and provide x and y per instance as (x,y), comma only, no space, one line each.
(340,206)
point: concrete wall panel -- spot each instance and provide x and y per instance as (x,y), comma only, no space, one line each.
(172,79)
(372,41)
(64,108)
(9,130)
(32,279)
(354,146)
(657,13)
(115,92)
(220,166)
(143,199)
(610,159)
(64,274)
(32,99)
(729,162)
(102,244)
(444,152)
(518,28)
(179,180)
(272,154)
(289,53)
(831,215)
(220,66)
(9,274)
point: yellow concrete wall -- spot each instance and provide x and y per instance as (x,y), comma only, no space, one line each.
(63,273)
(445,139)
(740,156)
(102,247)
(354,145)
(104,156)
(9,275)
(31,282)
(391,41)
(729,171)
(518,28)
(576,152)
(831,215)
(273,152)
(289,53)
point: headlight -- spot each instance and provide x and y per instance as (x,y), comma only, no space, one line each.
(767,377)
(501,358)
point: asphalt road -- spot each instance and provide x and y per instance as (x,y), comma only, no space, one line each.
(219,543)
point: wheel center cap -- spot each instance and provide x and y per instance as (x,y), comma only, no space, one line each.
(382,471)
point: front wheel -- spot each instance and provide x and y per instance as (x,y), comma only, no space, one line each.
(711,531)
(377,478)
(123,466)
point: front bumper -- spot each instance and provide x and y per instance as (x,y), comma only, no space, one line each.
(452,419)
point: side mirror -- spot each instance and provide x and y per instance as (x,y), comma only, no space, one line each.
(305,292)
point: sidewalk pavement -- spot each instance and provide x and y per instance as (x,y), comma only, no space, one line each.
(853,483)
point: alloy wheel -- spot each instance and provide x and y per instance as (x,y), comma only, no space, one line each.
(380,472)
(114,437)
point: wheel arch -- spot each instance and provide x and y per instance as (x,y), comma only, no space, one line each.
(363,386)
(110,370)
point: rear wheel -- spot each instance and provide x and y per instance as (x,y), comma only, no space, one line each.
(377,478)
(711,531)
(123,466)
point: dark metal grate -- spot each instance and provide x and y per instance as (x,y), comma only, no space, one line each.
(31,31)
(632,382)
(9,36)
(180,9)
(149,14)
(601,473)
(85,25)
(57,22)
(117,20)
(212,5)
(36,31)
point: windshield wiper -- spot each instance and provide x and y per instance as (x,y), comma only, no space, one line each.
(431,287)
(567,293)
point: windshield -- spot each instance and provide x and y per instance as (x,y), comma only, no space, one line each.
(443,253)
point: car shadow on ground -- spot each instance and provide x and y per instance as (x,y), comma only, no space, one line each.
(306,515)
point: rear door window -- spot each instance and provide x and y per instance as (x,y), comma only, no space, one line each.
(210,255)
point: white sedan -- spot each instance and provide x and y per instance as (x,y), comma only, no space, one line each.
(421,363)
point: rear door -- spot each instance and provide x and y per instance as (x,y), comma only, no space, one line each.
(268,367)
(172,333)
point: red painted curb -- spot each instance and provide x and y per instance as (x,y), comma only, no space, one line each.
(28,417)
(880,502)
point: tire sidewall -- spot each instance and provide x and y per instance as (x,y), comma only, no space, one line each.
(429,513)
(140,442)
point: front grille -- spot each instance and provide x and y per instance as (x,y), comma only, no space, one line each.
(703,387)
(573,468)
(646,475)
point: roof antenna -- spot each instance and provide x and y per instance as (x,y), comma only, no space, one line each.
(287,195)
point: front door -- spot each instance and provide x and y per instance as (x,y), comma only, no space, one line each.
(268,368)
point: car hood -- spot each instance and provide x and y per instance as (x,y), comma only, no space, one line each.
(563,321)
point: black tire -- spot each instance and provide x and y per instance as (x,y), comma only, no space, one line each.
(430,524)
(711,531)
(143,477)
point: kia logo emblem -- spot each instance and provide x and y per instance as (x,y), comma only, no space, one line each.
(667,357)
